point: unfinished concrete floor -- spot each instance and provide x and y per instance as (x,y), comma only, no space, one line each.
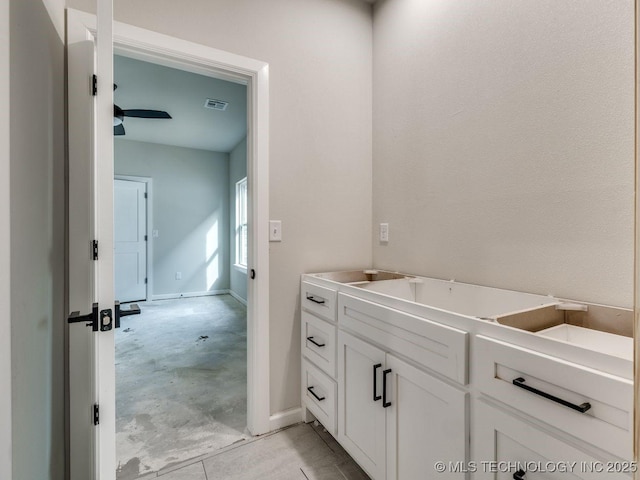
(181,382)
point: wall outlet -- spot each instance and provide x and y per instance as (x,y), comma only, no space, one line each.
(178,275)
(384,232)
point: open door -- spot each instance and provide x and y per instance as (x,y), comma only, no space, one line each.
(90,217)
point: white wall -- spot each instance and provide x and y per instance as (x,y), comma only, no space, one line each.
(5,252)
(503,143)
(319,55)
(237,171)
(190,205)
(37,226)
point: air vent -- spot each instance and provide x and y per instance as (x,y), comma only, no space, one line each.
(216,104)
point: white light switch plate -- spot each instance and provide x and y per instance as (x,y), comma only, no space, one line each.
(275,230)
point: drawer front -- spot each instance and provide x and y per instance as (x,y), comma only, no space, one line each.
(435,346)
(318,300)
(319,342)
(507,444)
(319,395)
(553,390)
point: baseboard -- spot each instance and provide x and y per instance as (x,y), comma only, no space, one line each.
(238,297)
(169,296)
(285,418)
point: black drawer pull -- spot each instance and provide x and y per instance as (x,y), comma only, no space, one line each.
(385,404)
(313,299)
(519,475)
(310,390)
(375,382)
(314,342)
(519,382)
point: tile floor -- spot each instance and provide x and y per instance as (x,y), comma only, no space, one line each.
(300,452)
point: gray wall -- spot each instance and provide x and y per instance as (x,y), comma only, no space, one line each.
(237,171)
(190,205)
(37,226)
(503,143)
(319,55)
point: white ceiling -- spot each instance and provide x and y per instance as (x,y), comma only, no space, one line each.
(149,86)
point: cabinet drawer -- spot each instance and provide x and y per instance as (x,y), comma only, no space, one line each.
(319,395)
(505,445)
(551,389)
(319,342)
(438,347)
(318,300)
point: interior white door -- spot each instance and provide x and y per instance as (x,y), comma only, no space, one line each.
(91,352)
(130,240)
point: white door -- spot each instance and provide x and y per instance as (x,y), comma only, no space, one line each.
(91,351)
(426,423)
(130,240)
(361,415)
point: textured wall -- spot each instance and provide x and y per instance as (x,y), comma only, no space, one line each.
(37,229)
(503,143)
(237,171)
(190,205)
(319,55)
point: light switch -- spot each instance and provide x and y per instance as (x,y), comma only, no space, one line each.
(154,233)
(275,230)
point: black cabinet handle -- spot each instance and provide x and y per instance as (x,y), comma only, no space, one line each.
(310,390)
(385,404)
(519,382)
(375,382)
(519,475)
(313,299)
(314,342)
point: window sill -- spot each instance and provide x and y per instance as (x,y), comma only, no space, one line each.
(240,268)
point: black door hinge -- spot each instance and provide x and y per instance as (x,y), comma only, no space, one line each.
(94,249)
(96,414)
(145,281)
(94,85)
(145,238)
(145,194)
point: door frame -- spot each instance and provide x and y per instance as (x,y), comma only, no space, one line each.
(164,50)
(148,227)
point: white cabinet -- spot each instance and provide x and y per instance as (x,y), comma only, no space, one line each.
(361,417)
(395,420)
(507,447)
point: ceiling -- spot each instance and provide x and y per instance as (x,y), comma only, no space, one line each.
(143,85)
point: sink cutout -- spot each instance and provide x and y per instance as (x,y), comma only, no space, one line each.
(607,343)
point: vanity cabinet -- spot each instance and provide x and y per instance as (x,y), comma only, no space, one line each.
(508,447)
(394,419)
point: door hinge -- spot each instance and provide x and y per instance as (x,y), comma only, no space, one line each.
(94,85)
(145,194)
(94,249)
(145,238)
(96,414)
(145,281)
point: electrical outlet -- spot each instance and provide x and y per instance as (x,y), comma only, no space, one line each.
(178,275)
(384,232)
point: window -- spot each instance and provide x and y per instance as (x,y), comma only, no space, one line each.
(241,223)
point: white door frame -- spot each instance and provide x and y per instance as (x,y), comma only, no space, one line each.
(164,50)
(149,227)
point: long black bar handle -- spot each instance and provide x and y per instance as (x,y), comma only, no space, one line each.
(519,382)
(385,404)
(314,300)
(310,390)
(315,343)
(376,397)
(519,475)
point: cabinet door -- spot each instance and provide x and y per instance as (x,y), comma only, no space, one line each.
(361,418)
(426,423)
(507,447)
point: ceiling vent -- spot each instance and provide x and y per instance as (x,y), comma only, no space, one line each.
(216,104)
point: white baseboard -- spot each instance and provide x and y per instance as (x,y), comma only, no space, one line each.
(238,297)
(169,296)
(285,418)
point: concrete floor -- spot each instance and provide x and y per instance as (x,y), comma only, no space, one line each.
(301,452)
(181,377)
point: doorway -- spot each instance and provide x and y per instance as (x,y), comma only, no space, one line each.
(181,365)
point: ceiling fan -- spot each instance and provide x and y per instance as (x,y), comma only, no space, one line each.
(119,114)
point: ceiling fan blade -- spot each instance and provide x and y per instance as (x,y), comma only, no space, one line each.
(146,114)
(118,130)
